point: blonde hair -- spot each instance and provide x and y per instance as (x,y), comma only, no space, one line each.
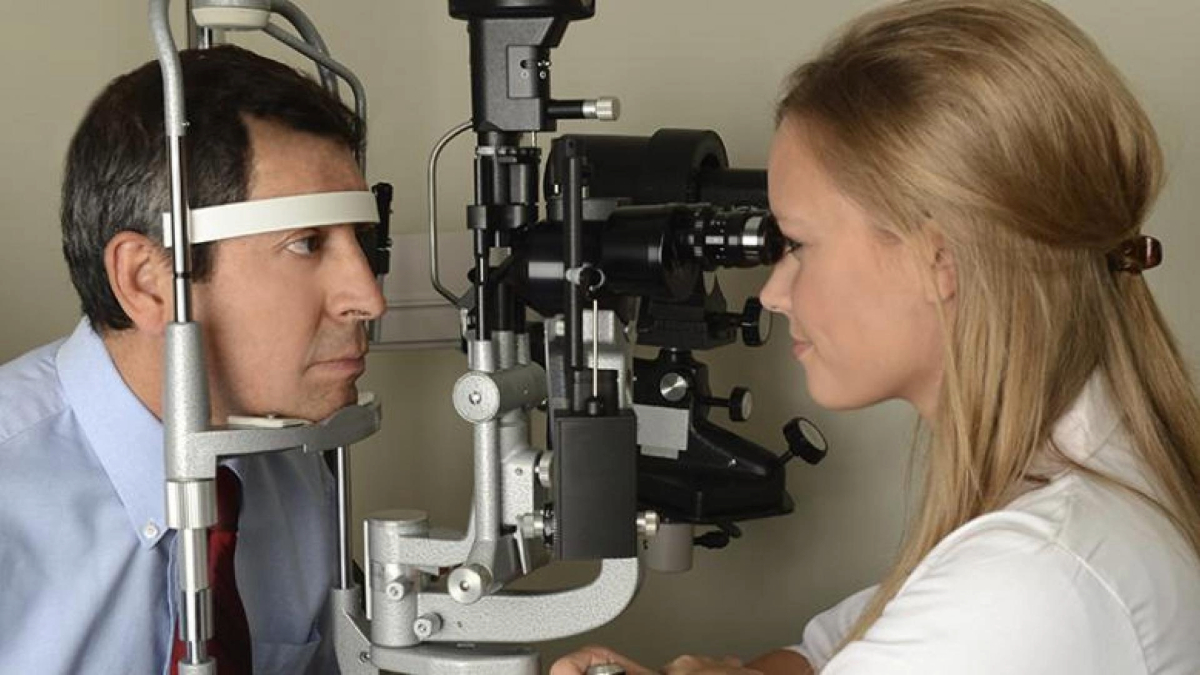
(999,124)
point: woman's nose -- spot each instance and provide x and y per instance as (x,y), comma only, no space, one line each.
(774,293)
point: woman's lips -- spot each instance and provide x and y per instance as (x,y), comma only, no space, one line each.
(800,348)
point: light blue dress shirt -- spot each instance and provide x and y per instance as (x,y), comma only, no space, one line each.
(87,566)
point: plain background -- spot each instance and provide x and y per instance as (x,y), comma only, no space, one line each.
(674,63)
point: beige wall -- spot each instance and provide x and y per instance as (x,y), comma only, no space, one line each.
(673,63)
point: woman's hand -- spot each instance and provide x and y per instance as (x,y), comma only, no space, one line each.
(578,663)
(704,665)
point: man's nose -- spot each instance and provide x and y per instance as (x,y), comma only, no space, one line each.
(357,295)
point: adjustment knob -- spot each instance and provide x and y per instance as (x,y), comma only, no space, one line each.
(804,440)
(606,108)
(469,583)
(673,387)
(756,326)
(740,403)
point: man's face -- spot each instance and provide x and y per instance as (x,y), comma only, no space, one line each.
(284,313)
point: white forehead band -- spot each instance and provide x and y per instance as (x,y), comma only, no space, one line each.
(213,223)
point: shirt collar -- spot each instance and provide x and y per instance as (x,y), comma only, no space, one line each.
(1089,423)
(125,436)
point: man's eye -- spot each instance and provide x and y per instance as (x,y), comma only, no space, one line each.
(304,246)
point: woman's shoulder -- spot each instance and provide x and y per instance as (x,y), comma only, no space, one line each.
(1102,522)
(1079,565)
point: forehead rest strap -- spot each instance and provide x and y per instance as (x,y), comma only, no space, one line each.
(240,219)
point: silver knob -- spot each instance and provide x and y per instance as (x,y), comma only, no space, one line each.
(469,583)
(544,469)
(607,109)
(673,387)
(533,526)
(647,523)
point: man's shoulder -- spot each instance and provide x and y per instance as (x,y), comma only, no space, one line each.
(30,391)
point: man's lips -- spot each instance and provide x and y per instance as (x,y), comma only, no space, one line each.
(349,364)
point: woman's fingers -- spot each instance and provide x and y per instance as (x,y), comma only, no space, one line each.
(578,662)
(706,665)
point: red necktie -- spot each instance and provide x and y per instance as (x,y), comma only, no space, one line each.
(230,643)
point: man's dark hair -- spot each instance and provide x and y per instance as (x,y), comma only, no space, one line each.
(116,170)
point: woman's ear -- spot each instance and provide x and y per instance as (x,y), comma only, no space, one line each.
(942,268)
(140,279)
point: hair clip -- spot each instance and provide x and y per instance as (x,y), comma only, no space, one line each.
(1136,255)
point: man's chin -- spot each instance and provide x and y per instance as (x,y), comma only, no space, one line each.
(346,398)
(327,407)
(318,409)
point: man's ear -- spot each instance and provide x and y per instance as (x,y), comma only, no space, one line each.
(943,271)
(140,277)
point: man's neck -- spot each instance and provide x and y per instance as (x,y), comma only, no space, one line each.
(138,359)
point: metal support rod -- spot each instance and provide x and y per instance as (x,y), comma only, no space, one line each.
(572,197)
(199,37)
(487,453)
(185,398)
(308,30)
(193,30)
(360,94)
(175,126)
(345,559)
(482,278)
(487,480)
(431,184)
(181,251)
(595,348)
(195,611)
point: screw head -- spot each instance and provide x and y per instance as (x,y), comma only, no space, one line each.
(395,590)
(426,625)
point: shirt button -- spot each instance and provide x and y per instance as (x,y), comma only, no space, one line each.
(150,530)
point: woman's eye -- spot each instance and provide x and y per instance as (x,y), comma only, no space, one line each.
(793,248)
(304,246)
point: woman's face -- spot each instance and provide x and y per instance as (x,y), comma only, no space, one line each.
(861,305)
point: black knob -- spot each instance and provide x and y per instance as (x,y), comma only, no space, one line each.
(804,440)
(756,326)
(740,403)
(720,537)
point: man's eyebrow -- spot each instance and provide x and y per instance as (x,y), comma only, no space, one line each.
(288,234)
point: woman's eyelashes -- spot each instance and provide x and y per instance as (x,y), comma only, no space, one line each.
(793,247)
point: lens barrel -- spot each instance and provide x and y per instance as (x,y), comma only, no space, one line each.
(737,237)
(651,251)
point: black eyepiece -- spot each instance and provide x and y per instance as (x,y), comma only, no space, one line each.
(737,237)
